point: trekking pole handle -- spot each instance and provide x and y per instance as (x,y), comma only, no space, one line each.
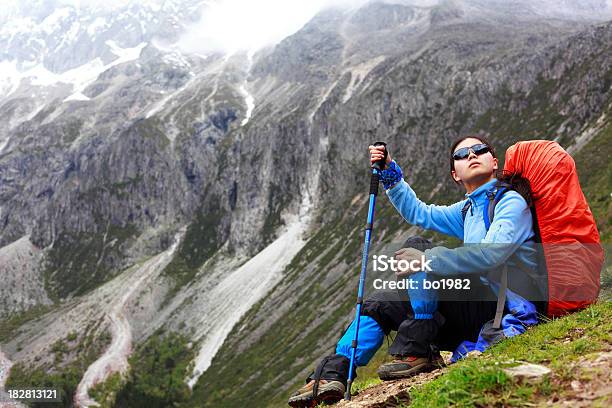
(377,168)
(380,165)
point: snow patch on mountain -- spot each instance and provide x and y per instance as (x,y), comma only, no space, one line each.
(54,21)
(248,97)
(97,25)
(84,77)
(9,77)
(3,144)
(250,102)
(80,77)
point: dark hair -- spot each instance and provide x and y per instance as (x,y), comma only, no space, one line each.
(518,183)
(461,139)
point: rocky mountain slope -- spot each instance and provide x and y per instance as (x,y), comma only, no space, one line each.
(221,197)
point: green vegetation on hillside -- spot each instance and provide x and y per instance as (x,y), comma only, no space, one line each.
(157,375)
(80,350)
(79,262)
(594,164)
(9,326)
(200,242)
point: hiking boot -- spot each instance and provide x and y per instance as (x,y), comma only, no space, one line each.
(329,391)
(404,367)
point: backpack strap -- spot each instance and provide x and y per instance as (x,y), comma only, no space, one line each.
(465,209)
(501,299)
(489,208)
(488,212)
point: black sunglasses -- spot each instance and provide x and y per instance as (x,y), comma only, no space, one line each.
(464,152)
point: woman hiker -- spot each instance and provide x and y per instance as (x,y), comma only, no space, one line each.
(425,324)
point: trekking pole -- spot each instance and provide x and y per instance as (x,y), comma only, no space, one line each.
(377,168)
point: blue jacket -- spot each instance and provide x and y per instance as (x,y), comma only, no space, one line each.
(511,228)
(510,233)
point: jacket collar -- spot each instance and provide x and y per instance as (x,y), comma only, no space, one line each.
(481,191)
(479,194)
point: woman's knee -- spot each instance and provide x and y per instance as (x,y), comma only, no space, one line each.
(388,308)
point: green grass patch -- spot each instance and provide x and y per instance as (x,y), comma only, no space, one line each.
(157,375)
(481,381)
(594,165)
(79,262)
(199,244)
(557,344)
(9,326)
(105,393)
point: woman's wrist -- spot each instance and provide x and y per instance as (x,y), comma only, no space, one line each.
(391,175)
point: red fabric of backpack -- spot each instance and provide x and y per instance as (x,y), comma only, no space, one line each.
(572,249)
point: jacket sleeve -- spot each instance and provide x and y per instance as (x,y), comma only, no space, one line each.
(511,227)
(440,218)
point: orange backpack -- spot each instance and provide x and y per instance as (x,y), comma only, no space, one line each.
(572,250)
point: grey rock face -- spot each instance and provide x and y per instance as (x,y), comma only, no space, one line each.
(22,280)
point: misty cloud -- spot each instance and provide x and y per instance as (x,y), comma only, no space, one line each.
(232,25)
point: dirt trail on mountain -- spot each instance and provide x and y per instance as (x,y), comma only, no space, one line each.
(115,357)
(389,393)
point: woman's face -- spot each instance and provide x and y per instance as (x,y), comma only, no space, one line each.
(475,168)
